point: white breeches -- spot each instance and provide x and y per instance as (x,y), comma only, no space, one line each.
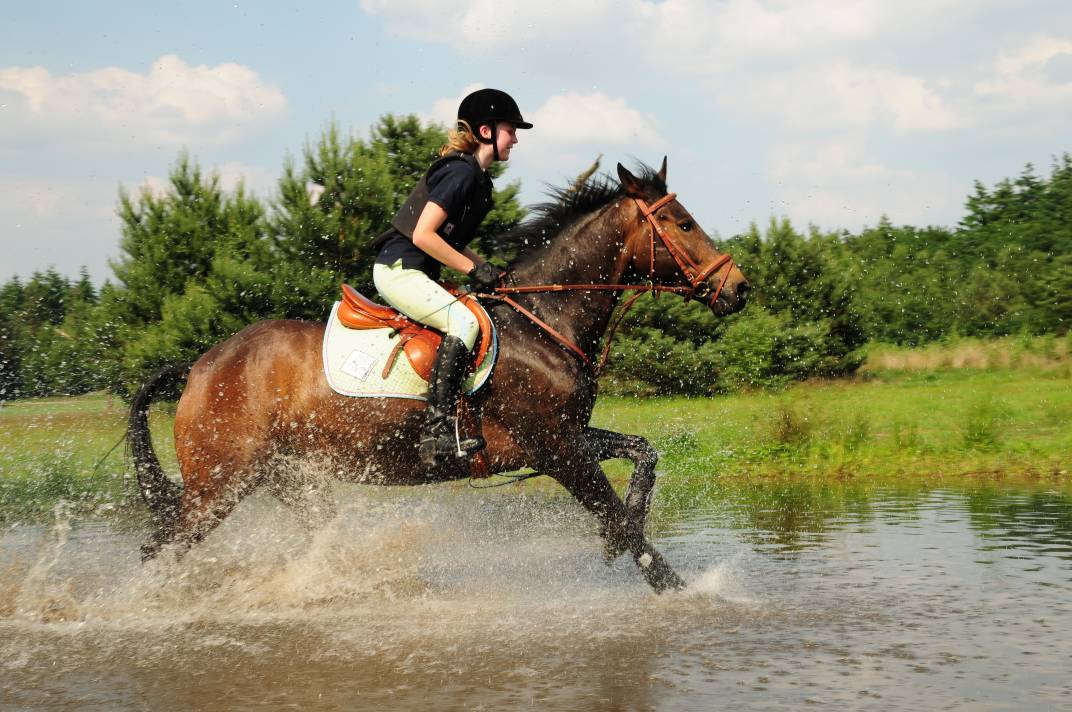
(413,293)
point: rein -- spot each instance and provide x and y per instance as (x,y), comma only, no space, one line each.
(695,274)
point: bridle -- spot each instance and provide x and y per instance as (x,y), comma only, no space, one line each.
(696,275)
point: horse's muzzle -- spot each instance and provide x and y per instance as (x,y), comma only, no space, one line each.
(731,300)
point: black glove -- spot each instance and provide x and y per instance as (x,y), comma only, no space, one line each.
(484,276)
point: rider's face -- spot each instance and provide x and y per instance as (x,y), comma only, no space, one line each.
(507,139)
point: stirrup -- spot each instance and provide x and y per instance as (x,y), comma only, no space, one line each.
(437,449)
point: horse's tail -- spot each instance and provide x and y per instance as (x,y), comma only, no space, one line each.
(161,494)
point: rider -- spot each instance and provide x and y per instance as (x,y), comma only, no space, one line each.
(432,229)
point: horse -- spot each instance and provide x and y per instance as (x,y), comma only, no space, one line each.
(258,400)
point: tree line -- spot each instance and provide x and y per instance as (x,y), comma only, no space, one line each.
(198,263)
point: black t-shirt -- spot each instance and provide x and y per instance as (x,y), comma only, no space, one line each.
(464,193)
(451,184)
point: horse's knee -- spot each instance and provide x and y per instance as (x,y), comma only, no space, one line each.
(646,455)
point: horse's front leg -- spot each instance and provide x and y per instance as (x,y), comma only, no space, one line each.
(579,472)
(607,445)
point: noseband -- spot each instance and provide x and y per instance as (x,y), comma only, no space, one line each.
(696,276)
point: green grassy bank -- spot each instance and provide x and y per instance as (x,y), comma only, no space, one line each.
(926,425)
(55,450)
(918,427)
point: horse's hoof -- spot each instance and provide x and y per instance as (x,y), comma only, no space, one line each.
(658,573)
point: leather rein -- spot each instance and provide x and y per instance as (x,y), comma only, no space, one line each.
(695,274)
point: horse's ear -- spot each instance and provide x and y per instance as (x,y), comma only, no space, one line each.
(662,172)
(630,182)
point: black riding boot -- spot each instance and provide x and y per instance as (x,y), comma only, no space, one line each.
(438,441)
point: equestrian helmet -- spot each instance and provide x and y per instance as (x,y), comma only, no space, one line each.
(488,106)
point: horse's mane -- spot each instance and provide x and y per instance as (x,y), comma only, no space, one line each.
(566,205)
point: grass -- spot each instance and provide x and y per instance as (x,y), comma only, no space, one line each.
(56,450)
(924,426)
(900,427)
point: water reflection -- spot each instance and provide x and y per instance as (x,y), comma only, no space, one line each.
(1037,522)
(785,518)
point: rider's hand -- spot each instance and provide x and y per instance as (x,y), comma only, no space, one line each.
(484,276)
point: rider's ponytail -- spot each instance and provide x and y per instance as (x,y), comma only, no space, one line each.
(460,139)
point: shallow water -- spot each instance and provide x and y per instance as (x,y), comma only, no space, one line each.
(443,598)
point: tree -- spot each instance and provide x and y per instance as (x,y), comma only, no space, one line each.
(11,300)
(170,241)
(45,298)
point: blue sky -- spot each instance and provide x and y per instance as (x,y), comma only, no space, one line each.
(829,112)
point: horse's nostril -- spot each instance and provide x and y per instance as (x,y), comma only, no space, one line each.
(742,291)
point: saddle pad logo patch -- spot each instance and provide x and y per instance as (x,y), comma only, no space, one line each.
(359,365)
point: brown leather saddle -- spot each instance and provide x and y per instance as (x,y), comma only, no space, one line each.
(419,342)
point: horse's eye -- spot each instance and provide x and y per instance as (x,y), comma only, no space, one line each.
(685,226)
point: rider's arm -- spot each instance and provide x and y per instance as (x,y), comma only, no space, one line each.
(425,237)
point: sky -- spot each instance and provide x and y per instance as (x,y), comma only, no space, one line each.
(832,113)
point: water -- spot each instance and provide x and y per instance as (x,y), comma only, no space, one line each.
(447,599)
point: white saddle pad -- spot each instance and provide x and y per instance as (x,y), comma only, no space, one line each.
(354,361)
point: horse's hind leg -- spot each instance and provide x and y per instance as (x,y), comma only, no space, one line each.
(209,495)
(606,445)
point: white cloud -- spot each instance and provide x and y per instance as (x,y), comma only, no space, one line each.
(702,37)
(574,118)
(837,184)
(487,25)
(1020,76)
(793,61)
(1035,54)
(695,36)
(172,104)
(839,94)
(698,29)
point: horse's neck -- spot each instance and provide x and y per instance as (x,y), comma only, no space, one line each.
(590,251)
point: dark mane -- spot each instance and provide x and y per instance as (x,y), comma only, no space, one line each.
(566,205)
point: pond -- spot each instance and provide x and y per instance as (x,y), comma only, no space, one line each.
(444,598)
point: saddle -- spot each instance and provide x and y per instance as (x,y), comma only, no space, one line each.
(419,342)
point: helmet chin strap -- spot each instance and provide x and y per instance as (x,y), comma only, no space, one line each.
(494,139)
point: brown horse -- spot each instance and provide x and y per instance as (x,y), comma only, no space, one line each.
(259,401)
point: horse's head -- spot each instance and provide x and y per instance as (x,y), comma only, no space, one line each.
(669,248)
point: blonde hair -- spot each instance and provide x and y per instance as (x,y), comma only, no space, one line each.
(460,139)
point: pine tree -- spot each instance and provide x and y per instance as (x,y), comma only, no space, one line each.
(171,241)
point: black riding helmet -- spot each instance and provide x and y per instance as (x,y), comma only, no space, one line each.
(490,106)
